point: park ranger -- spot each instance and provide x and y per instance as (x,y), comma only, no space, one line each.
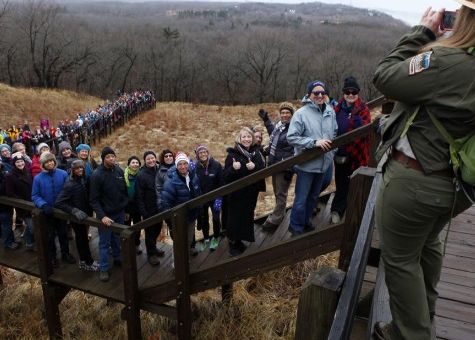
(428,70)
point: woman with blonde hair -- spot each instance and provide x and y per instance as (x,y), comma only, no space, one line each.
(429,79)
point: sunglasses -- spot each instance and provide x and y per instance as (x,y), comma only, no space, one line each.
(352,92)
(316,93)
(168,156)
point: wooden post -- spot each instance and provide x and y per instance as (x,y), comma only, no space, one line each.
(317,304)
(360,186)
(46,269)
(129,271)
(182,273)
(227,292)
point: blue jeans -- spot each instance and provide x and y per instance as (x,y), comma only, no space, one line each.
(29,235)
(109,239)
(307,189)
(6,219)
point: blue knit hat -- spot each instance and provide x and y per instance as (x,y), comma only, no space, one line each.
(3,146)
(81,147)
(311,86)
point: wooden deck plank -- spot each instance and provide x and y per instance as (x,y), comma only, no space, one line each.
(454,329)
(455,310)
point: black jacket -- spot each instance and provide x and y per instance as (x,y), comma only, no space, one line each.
(74,195)
(108,192)
(211,177)
(146,196)
(160,178)
(283,149)
(4,208)
(18,184)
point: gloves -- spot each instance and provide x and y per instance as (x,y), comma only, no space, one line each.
(47,210)
(263,114)
(79,214)
(218,202)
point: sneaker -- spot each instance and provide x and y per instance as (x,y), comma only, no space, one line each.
(13,246)
(93,267)
(138,249)
(104,275)
(335,217)
(382,331)
(82,265)
(268,226)
(214,243)
(153,260)
(68,258)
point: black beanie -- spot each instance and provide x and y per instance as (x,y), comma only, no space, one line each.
(351,84)
(149,152)
(107,150)
(131,158)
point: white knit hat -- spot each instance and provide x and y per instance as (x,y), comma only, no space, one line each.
(181,156)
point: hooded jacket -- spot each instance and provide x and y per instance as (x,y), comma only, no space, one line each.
(74,195)
(18,185)
(47,186)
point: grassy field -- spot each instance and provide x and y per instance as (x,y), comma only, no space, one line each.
(263,307)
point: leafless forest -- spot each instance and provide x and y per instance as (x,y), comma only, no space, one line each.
(220,53)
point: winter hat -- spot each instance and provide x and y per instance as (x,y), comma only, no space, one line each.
(81,147)
(199,148)
(77,164)
(64,145)
(181,156)
(41,146)
(131,158)
(107,150)
(149,152)
(17,156)
(350,83)
(312,85)
(3,146)
(287,106)
(45,157)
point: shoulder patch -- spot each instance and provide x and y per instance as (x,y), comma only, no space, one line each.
(419,63)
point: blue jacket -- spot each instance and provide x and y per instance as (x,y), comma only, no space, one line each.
(175,191)
(309,124)
(47,186)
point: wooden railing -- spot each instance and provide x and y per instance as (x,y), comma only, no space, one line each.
(185,283)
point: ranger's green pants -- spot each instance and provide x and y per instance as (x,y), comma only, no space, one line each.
(411,210)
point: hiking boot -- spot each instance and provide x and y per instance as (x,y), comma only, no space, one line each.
(335,217)
(214,243)
(104,275)
(68,258)
(268,226)
(153,260)
(13,246)
(241,246)
(382,331)
(234,249)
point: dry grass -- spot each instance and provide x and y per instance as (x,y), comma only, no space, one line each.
(263,307)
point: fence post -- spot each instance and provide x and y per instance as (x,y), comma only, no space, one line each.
(182,272)
(317,304)
(358,192)
(129,271)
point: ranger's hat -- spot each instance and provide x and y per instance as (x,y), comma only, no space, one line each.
(468,3)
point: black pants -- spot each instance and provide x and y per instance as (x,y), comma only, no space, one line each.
(342,181)
(57,227)
(151,235)
(135,218)
(203,221)
(82,243)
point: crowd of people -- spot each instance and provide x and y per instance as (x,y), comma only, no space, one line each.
(70,179)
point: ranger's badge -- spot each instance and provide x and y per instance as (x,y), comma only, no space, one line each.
(419,63)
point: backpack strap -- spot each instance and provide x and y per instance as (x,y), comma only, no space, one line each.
(410,121)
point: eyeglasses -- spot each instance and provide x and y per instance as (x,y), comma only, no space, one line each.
(352,92)
(168,156)
(316,93)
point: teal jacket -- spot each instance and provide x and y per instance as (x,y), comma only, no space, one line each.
(308,124)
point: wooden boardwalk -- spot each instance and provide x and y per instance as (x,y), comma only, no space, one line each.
(455,312)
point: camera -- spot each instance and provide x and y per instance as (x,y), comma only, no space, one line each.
(448,20)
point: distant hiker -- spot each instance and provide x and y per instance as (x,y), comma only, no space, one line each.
(181,185)
(6,216)
(132,213)
(83,152)
(65,156)
(167,160)
(74,199)
(46,187)
(5,152)
(242,160)
(312,126)
(21,148)
(146,197)
(418,194)
(18,185)
(210,174)
(35,160)
(351,113)
(279,149)
(108,198)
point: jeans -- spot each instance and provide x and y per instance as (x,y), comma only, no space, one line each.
(203,220)
(109,239)
(29,235)
(307,189)
(6,219)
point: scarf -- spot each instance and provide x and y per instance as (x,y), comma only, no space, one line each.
(244,152)
(130,187)
(274,137)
